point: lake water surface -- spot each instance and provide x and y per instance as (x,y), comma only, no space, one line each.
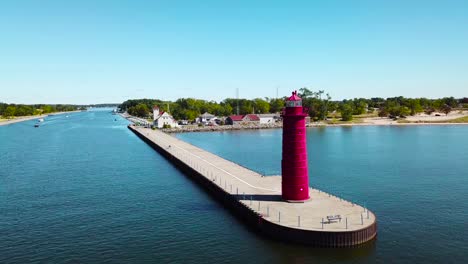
(84,189)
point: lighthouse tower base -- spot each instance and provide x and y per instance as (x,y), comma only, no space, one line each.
(296,201)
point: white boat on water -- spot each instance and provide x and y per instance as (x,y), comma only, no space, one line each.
(41,120)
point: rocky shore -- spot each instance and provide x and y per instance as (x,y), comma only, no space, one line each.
(252,126)
(184,129)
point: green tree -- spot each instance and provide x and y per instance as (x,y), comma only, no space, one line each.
(383,112)
(2,108)
(325,106)
(346,110)
(376,102)
(438,103)
(24,110)
(9,111)
(446,109)
(392,107)
(227,109)
(425,103)
(140,110)
(305,93)
(246,109)
(261,106)
(317,102)
(360,106)
(332,106)
(415,106)
(404,111)
(276,105)
(191,114)
(450,101)
(47,109)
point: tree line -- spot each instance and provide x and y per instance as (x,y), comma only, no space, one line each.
(15,110)
(395,107)
(319,104)
(190,108)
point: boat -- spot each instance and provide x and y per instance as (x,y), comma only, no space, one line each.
(41,120)
(36,125)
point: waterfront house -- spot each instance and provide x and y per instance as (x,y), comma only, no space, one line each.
(268,118)
(242,119)
(251,118)
(234,119)
(206,118)
(161,119)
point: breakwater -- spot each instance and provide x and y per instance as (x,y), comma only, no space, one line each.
(325,220)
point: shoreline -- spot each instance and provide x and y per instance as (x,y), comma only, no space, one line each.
(393,124)
(27,118)
(237,128)
(190,129)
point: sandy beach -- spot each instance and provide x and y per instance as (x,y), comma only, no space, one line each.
(26,118)
(419,119)
(20,119)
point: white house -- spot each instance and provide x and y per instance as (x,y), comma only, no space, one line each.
(163,118)
(206,118)
(268,118)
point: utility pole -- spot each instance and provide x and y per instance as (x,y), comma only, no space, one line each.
(237,95)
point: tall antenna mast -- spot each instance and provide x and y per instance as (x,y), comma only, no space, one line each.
(277,92)
(237,95)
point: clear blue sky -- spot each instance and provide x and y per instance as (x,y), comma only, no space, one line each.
(95,51)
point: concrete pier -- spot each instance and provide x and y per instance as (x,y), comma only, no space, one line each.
(324,220)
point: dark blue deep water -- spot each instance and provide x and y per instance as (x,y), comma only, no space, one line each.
(84,189)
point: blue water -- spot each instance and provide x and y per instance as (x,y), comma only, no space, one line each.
(84,189)
(414,178)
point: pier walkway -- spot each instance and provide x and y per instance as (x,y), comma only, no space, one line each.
(323,212)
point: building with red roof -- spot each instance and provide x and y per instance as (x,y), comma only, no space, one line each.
(162,119)
(251,118)
(242,119)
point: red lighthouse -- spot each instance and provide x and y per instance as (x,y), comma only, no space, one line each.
(294,168)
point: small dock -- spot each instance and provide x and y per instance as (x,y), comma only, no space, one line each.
(325,220)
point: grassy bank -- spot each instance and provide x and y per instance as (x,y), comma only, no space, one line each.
(456,120)
(459,120)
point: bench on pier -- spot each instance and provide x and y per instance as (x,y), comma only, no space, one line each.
(333,218)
